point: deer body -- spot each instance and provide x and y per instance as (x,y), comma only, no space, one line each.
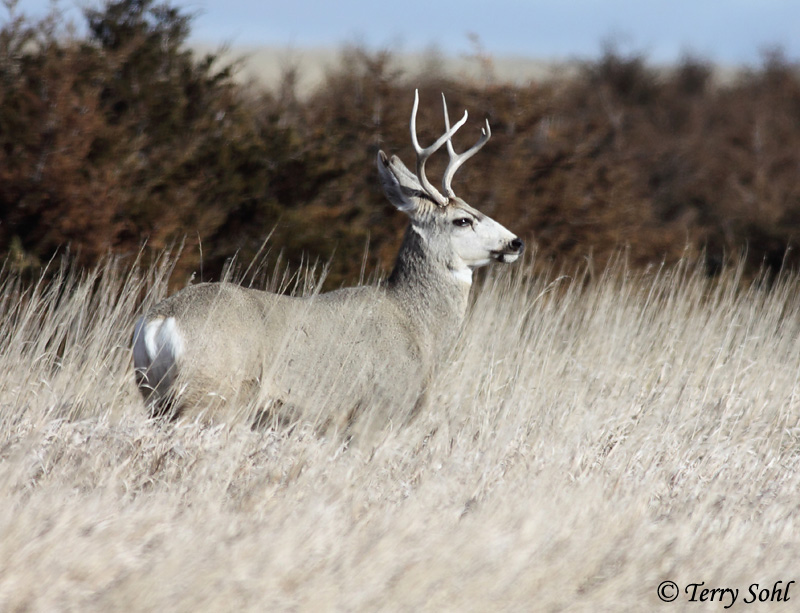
(213,342)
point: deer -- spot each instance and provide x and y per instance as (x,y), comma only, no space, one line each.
(376,345)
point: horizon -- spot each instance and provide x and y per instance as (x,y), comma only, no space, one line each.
(662,31)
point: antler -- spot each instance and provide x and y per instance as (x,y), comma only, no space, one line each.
(456,160)
(424,154)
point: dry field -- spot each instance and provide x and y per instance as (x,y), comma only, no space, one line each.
(267,65)
(591,436)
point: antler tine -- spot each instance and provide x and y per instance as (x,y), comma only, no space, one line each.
(456,160)
(424,154)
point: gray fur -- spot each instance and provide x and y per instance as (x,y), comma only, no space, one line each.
(326,356)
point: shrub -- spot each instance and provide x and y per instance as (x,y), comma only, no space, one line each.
(125,135)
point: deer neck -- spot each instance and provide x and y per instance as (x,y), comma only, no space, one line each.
(430,288)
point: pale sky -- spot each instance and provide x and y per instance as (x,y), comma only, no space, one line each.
(725,31)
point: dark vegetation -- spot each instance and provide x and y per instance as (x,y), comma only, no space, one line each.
(123,135)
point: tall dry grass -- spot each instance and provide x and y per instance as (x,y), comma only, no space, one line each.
(591,436)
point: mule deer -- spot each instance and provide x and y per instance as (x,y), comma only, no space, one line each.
(376,345)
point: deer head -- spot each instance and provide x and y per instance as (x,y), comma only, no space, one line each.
(449,227)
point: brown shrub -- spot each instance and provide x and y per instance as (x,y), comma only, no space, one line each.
(125,136)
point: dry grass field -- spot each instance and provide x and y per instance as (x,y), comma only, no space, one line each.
(592,435)
(267,65)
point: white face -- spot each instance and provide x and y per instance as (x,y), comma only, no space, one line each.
(471,238)
(478,239)
(457,234)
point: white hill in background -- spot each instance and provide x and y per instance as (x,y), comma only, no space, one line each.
(266,64)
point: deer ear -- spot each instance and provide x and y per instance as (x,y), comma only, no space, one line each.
(399,183)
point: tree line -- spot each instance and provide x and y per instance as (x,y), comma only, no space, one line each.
(123,137)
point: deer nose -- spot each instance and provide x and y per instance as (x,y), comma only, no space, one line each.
(517,245)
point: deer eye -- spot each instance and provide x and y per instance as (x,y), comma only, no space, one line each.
(462,222)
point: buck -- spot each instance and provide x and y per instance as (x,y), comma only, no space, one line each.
(331,354)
